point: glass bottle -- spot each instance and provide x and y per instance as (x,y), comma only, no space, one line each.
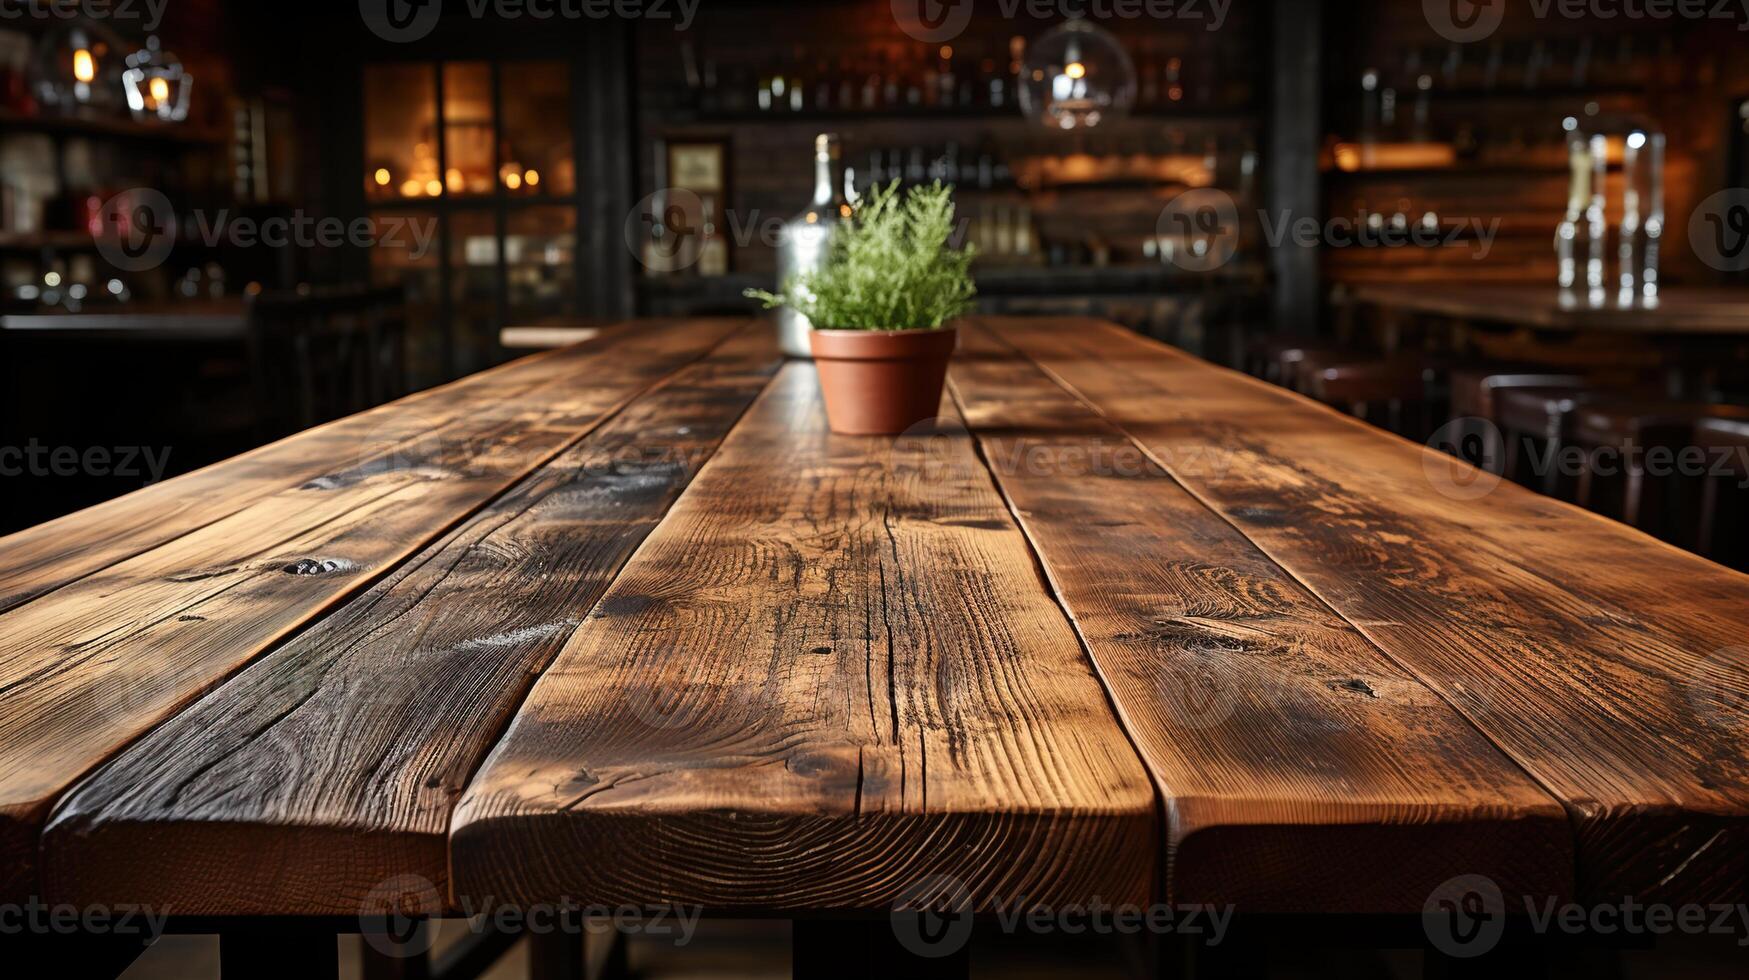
(802,245)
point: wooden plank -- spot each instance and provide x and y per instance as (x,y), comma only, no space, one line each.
(1597,658)
(100,661)
(43,558)
(1302,770)
(831,675)
(343,752)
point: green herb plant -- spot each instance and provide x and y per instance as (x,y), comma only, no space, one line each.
(888,267)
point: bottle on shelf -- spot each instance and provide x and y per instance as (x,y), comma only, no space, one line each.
(802,244)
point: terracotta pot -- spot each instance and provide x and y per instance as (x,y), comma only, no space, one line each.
(881,382)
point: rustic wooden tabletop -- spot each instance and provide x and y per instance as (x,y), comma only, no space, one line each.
(624,621)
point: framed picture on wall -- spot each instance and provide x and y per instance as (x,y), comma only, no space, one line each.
(697,174)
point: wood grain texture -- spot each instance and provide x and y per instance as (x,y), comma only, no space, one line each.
(1301,769)
(100,661)
(1597,658)
(830,676)
(42,558)
(343,752)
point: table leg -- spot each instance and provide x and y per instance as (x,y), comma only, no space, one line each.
(76,957)
(558,954)
(289,954)
(1236,957)
(382,957)
(852,949)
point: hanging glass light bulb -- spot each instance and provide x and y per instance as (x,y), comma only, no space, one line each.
(76,65)
(1076,76)
(156,84)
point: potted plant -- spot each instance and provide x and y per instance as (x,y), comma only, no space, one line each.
(882,304)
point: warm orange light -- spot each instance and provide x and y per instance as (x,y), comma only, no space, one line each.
(160,89)
(453,177)
(947,52)
(434,187)
(532,178)
(412,188)
(383,177)
(1075,69)
(513,180)
(84,66)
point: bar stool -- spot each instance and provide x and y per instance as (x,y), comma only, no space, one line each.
(1529,418)
(1277,359)
(1475,395)
(1718,530)
(1397,385)
(1632,431)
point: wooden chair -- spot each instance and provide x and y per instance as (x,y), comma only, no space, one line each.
(323,353)
(1718,529)
(1619,479)
(1475,396)
(1392,392)
(1533,419)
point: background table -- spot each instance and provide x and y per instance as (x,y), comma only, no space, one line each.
(1681,310)
(202,320)
(624,623)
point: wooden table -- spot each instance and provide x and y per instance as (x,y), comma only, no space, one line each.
(622,623)
(546,333)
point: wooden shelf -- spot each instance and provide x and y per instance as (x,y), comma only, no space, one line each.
(1459,169)
(952,114)
(114,128)
(991,280)
(33,240)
